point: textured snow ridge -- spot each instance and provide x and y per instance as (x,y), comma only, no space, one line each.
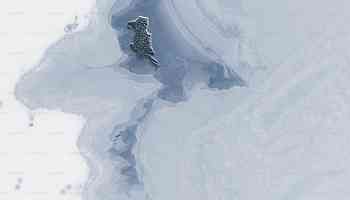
(249,101)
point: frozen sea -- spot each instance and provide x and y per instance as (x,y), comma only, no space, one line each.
(250,100)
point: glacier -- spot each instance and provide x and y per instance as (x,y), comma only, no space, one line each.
(249,101)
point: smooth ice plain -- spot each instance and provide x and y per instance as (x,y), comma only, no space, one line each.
(249,102)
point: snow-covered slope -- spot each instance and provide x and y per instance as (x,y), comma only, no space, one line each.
(283,137)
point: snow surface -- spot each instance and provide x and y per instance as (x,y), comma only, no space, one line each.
(280,135)
(287,139)
(40,161)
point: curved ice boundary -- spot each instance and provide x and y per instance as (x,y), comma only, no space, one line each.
(117,99)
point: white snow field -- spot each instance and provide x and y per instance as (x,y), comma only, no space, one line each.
(40,162)
(282,136)
(285,135)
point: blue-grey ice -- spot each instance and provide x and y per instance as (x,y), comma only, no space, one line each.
(203,99)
